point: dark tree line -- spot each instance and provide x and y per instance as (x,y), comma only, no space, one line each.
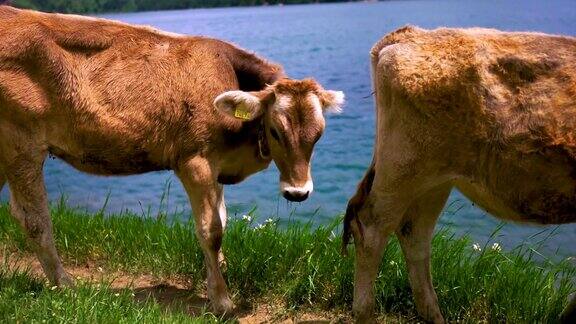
(95,6)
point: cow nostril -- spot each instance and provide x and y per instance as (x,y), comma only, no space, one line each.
(295,196)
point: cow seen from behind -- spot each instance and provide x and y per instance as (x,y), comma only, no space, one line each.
(490,113)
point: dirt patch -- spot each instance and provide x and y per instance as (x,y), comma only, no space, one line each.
(173,294)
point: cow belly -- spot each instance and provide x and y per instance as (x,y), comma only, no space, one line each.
(109,163)
(548,207)
(523,202)
(487,200)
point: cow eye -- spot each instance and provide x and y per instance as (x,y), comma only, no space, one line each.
(274,134)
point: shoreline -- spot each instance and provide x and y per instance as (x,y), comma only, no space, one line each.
(161,9)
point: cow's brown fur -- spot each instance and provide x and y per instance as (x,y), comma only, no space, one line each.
(488,112)
(111,99)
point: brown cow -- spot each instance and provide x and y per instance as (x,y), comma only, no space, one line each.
(114,99)
(490,113)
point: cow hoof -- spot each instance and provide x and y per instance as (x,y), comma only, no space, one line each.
(364,317)
(223,307)
(435,318)
(66,281)
(63,280)
(568,316)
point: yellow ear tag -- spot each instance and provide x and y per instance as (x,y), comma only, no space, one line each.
(242,113)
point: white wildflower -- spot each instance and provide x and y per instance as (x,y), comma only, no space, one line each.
(496,247)
(259,226)
(247,218)
(100,269)
(53,287)
(269,221)
(117,294)
(393,263)
(476,247)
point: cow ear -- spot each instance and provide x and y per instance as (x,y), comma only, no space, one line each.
(239,104)
(332,101)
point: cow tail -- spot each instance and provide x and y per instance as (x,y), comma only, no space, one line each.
(355,205)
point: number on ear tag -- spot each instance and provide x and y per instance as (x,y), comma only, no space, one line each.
(242,113)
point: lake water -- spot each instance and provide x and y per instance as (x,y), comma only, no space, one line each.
(331,43)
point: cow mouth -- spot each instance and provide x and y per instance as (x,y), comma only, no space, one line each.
(295,197)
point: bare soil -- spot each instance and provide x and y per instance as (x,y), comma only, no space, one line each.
(173,294)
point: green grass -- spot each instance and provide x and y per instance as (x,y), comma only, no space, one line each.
(25,300)
(298,266)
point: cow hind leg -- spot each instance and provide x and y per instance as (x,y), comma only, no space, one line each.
(371,230)
(29,206)
(415,235)
(569,314)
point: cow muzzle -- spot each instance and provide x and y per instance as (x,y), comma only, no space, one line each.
(293,193)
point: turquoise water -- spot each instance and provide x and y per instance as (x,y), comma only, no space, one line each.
(329,42)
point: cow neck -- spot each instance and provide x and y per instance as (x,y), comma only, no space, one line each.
(263,147)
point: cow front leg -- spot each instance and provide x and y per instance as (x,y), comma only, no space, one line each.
(569,314)
(29,206)
(415,235)
(371,230)
(223,220)
(206,197)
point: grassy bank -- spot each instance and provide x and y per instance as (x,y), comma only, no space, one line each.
(297,267)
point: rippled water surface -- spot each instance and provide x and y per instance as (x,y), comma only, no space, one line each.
(329,42)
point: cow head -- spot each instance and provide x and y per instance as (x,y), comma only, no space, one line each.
(292,121)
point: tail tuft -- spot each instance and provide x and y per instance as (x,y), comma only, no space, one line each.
(355,205)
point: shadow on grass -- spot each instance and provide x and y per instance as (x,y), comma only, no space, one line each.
(173,299)
(178,300)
